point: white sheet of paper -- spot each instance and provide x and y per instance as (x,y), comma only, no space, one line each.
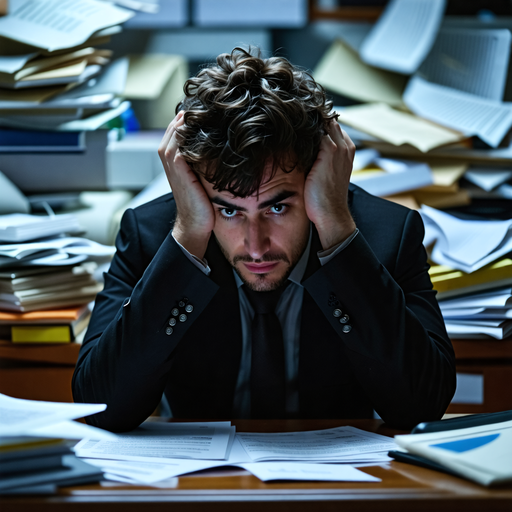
(12,63)
(467,113)
(73,430)
(396,127)
(496,299)
(465,245)
(21,417)
(363,158)
(157,442)
(57,25)
(470,60)
(469,330)
(488,179)
(318,445)
(477,314)
(268,471)
(341,70)
(403,35)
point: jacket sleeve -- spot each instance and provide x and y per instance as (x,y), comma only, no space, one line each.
(125,358)
(397,346)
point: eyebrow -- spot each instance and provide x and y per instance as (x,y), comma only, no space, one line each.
(281,196)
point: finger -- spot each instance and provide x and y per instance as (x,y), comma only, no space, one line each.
(170,130)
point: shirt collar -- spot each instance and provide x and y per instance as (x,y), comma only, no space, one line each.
(298,271)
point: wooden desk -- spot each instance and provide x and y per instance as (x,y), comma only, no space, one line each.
(403,488)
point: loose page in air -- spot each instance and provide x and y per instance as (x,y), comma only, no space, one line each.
(403,35)
(59,24)
(482,454)
(21,417)
(396,127)
(342,71)
(467,113)
(470,60)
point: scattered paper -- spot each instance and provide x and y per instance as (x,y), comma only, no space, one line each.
(396,127)
(488,179)
(56,25)
(268,471)
(162,441)
(333,445)
(470,114)
(462,244)
(470,60)
(22,417)
(342,71)
(403,35)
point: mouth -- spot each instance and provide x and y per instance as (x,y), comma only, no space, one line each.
(261,268)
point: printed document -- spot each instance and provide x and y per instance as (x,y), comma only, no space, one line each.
(58,24)
(467,113)
(403,35)
(330,445)
(153,442)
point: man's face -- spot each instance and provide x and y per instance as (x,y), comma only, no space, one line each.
(264,235)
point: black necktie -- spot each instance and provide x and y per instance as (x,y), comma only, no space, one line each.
(267,356)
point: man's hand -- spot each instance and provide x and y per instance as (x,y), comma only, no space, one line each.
(195,218)
(326,189)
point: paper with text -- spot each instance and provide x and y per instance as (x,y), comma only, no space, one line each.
(403,35)
(58,24)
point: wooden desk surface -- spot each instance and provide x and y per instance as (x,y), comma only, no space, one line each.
(403,488)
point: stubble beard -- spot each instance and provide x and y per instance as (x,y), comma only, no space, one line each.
(263,283)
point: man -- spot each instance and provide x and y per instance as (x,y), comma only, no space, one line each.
(265,285)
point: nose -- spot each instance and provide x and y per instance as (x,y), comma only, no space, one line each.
(257,240)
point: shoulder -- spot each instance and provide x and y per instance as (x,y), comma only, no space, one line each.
(148,224)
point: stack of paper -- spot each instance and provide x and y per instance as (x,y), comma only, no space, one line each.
(480,315)
(33,446)
(482,454)
(168,450)
(48,49)
(47,272)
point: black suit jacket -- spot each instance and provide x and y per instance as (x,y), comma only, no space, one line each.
(397,359)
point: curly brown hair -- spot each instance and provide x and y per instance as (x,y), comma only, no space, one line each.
(245,111)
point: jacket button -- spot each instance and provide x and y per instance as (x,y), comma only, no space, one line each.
(344,319)
(347,328)
(181,303)
(175,311)
(337,313)
(172,322)
(183,318)
(169,331)
(189,308)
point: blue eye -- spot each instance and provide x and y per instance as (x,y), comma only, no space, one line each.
(228,212)
(278,208)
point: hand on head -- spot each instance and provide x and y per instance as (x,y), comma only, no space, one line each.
(326,188)
(195,218)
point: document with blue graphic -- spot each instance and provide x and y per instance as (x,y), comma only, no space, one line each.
(482,454)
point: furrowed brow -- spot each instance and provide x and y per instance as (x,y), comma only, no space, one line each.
(222,202)
(285,194)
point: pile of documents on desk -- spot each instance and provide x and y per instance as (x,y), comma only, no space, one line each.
(481,453)
(47,278)
(36,440)
(432,94)
(33,450)
(156,452)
